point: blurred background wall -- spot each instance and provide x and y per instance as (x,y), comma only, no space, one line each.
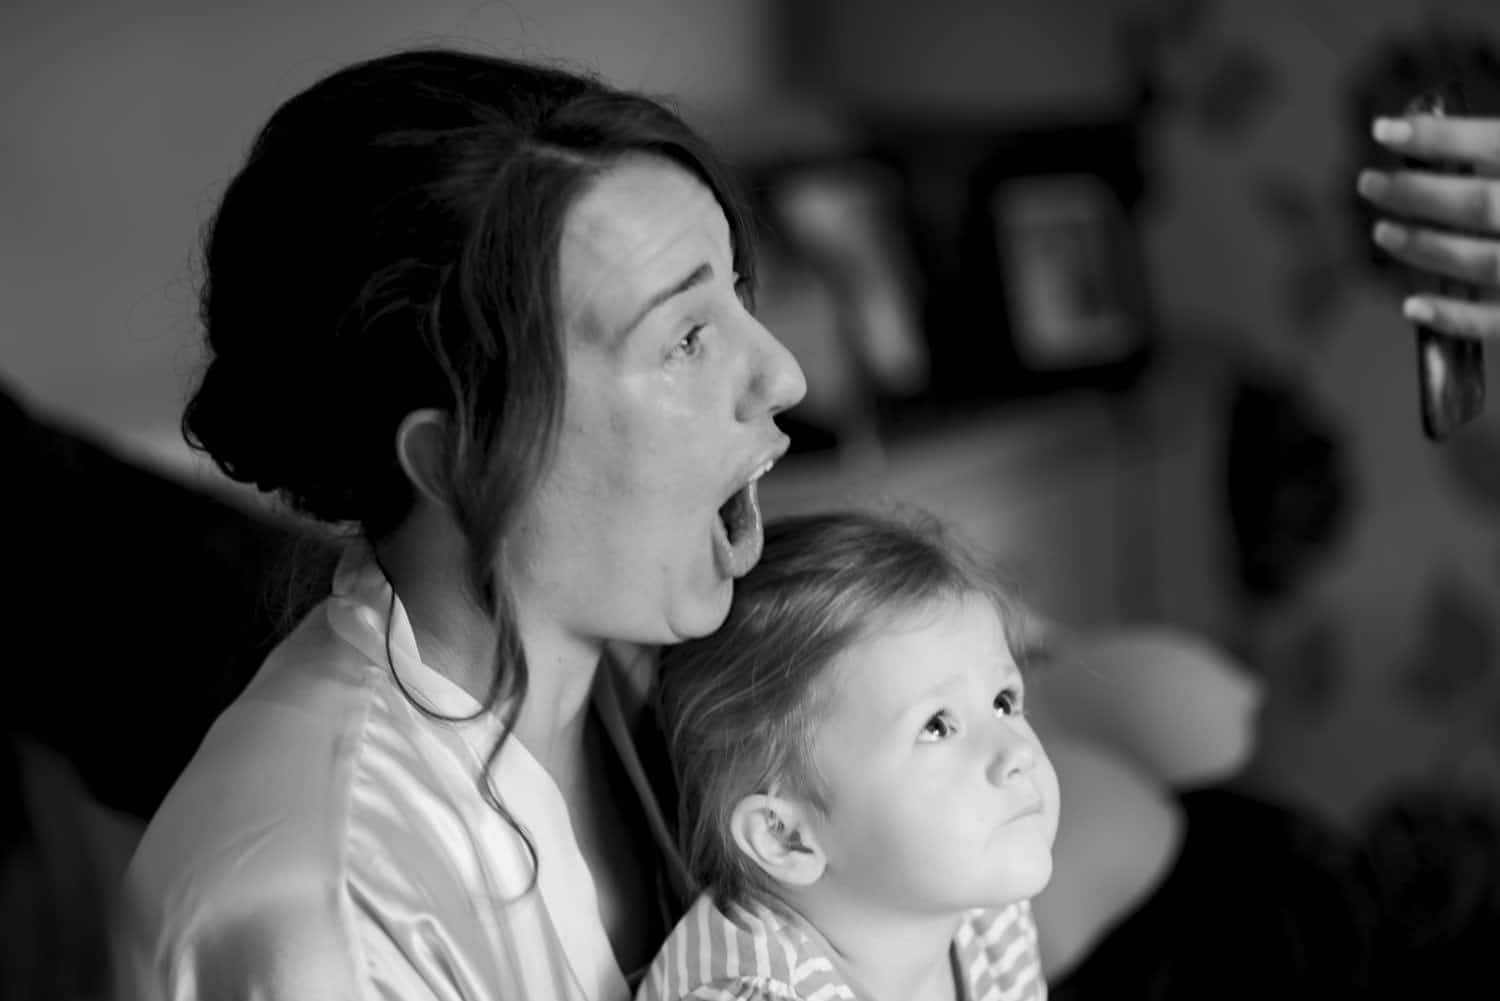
(1276,353)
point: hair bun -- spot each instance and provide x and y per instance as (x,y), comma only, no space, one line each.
(270,430)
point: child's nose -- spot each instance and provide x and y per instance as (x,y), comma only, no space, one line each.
(1014,757)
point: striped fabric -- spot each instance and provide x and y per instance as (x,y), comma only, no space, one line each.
(330,840)
(751,953)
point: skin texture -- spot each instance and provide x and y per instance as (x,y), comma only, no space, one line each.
(940,797)
(939,801)
(671,395)
(669,410)
(1426,205)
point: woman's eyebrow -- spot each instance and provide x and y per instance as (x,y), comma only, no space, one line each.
(698,276)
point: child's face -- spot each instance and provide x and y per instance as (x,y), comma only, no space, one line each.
(940,797)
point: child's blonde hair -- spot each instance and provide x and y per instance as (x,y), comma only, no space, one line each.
(738,706)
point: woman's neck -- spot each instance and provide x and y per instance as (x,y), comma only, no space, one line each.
(457,638)
(894,956)
(560,678)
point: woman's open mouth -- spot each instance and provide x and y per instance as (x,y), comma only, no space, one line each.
(741,534)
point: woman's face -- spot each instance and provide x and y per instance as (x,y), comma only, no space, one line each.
(672,387)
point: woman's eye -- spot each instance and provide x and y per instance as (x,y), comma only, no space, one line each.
(690,345)
(1008,702)
(940,727)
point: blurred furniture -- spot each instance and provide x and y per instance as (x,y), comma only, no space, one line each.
(141,606)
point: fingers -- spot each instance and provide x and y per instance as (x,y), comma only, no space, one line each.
(1471,141)
(1465,203)
(1474,320)
(1471,259)
(1471,203)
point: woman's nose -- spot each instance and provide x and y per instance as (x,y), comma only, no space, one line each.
(776,380)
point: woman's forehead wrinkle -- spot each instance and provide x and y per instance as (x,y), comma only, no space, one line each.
(626,240)
(596,264)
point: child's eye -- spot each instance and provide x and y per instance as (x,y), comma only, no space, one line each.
(940,727)
(1008,702)
(691,344)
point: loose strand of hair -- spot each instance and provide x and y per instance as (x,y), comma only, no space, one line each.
(518,678)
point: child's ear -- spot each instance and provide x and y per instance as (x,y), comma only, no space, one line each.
(775,834)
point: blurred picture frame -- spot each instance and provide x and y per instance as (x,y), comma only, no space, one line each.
(1052,287)
(840,285)
(942,266)
(1070,277)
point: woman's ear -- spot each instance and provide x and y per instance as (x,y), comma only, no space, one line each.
(775,834)
(421,446)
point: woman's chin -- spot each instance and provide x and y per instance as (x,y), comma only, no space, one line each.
(702,616)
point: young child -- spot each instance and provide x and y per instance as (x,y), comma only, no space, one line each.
(862,797)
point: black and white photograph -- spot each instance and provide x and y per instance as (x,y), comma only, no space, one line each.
(750,500)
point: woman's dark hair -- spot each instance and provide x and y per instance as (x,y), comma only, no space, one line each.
(391,245)
(739,707)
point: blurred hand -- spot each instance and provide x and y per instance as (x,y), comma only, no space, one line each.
(1443,224)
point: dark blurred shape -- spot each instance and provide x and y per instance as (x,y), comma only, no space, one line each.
(1315,278)
(1314,284)
(1492,723)
(1431,862)
(1288,204)
(997,59)
(1178,21)
(141,608)
(1235,91)
(1265,901)
(1317,666)
(1289,483)
(1454,652)
(844,219)
(1262,902)
(61,866)
(840,285)
(1472,459)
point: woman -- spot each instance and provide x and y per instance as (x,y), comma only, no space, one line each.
(490,318)
(1429,207)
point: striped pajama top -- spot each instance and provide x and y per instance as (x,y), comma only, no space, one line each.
(329,841)
(752,953)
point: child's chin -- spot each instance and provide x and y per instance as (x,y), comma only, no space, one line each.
(1021,879)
